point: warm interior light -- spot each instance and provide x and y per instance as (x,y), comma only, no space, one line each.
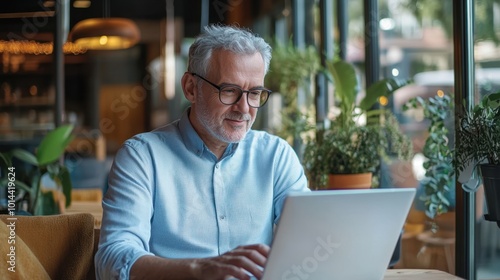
(33,90)
(103,40)
(383,101)
(49,4)
(36,48)
(440,93)
(105,33)
(81,4)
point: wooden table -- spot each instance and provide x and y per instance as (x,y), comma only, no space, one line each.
(414,274)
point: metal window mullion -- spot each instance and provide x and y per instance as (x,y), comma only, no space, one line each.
(372,50)
(463,42)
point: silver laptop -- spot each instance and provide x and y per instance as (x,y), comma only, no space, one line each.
(341,234)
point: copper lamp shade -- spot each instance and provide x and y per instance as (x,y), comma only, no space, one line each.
(105,34)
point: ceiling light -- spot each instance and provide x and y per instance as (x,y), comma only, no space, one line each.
(105,33)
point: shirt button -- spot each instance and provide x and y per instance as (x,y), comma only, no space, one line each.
(217,166)
(222,217)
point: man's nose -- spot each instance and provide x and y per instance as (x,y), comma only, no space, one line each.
(242,104)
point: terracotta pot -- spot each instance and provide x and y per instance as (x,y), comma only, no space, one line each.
(350,181)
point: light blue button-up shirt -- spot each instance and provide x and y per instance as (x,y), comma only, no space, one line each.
(170,196)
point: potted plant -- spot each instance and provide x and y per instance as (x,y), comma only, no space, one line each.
(22,171)
(478,145)
(353,145)
(438,165)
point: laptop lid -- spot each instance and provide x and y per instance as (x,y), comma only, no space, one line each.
(338,234)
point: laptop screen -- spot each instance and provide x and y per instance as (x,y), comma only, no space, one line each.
(338,234)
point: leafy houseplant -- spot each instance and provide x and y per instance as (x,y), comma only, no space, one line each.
(478,144)
(350,145)
(438,166)
(290,70)
(24,180)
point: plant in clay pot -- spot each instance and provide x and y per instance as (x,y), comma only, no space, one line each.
(360,135)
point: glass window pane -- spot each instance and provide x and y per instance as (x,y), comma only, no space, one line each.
(416,42)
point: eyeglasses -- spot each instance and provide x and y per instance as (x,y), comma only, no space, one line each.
(231,94)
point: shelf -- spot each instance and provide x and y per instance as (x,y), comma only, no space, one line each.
(24,107)
(29,101)
(20,132)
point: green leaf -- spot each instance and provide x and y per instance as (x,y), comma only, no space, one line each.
(345,82)
(381,88)
(66,184)
(47,205)
(53,169)
(54,144)
(443,199)
(35,193)
(4,162)
(492,100)
(25,156)
(24,186)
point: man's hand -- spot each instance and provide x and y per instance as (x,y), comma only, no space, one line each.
(236,263)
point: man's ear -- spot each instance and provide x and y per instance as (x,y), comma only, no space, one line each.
(189,86)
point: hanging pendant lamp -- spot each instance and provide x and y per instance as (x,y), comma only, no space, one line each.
(105,33)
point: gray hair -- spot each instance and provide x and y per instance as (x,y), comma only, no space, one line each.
(230,38)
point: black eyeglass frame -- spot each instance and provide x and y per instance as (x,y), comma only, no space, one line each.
(219,88)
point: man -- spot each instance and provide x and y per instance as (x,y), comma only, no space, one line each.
(198,198)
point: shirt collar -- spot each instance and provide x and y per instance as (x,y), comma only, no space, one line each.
(193,141)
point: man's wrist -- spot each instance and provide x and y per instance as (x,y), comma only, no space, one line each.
(194,269)
(153,267)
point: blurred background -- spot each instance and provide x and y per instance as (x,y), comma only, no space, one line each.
(111,95)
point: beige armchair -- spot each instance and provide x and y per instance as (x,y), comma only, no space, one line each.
(47,247)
